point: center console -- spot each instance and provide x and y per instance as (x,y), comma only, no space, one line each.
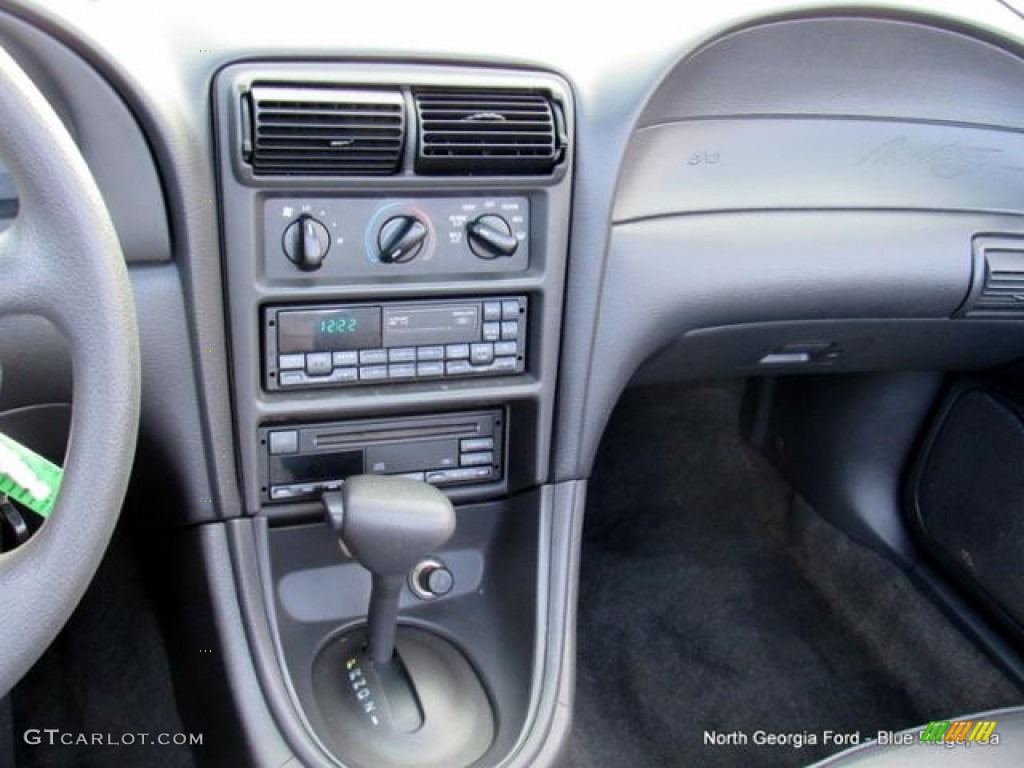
(395,241)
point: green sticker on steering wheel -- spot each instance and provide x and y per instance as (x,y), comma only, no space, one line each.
(27,477)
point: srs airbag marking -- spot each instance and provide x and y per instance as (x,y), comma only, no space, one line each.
(949,160)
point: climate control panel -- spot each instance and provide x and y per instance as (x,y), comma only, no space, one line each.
(381,237)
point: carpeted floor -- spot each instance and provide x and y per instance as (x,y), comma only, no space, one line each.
(713,601)
(106,675)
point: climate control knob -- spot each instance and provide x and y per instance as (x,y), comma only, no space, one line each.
(490,237)
(401,239)
(306,242)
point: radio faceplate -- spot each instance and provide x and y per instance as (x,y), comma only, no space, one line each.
(336,345)
(454,449)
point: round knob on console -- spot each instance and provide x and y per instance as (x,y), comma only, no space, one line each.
(490,237)
(305,243)
(400,239)
(431,579)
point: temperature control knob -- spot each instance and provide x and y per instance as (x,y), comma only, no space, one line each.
(306,241)
(490,237)
(400,239)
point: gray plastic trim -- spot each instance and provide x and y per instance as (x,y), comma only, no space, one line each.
(106,133)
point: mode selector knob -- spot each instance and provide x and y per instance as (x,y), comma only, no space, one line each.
(400,239)
(305,243)
(490,237)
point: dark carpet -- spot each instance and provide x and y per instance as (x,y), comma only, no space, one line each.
(106,678)
(715,605)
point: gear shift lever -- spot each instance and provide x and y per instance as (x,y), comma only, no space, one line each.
(388,524)
(421,704)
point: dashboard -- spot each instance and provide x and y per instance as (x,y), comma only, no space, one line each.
(442,248)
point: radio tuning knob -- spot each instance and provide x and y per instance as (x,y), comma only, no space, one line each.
(400,239)
(305,243)
(490,237)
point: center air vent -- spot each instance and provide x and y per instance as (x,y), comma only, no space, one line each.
(295,131)
(487,132)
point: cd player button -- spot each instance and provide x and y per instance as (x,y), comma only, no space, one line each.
(373,356)
(413,475)
(492,310)
(456,351)
(492,331)
(280,492)
(430,353)
(458,368)
(438,476)
(510,330)
(292,378)
(504,364)
(291,362)
(471,444)
(402,355)
(346,358)
(342,375)
(319,363)
(373,372)
(430,369)
(403,371)
(284,441)
(506,348)
(476,459)
(481,354)
(510,309)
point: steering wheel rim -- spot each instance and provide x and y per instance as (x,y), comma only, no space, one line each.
(61,260)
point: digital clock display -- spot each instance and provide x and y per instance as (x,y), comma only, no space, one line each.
(329,330)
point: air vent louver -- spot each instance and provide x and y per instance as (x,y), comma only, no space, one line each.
(1001,292)
(325,131)
(487,132)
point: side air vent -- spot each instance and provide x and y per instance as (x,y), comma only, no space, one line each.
(515,132)
(324,131)
(998,289)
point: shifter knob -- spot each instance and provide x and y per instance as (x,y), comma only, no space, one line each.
(388,524)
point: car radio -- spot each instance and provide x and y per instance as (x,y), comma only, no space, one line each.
(452,449)
(335,345)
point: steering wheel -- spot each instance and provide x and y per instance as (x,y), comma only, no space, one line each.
(61,260)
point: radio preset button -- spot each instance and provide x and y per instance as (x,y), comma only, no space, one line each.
(506,348)
(402,355)
(342,375)
(292,378)
(456,351)
(476,459)
(503,364)
(472,444)
(319,363)
(492,331)
(373,356)
(425,370)
(373,372)
(345,358)
(510,309)
(492,311)
(481,354)
(403,371)
(510,329)
(430,353)
(458,368)
(291,362)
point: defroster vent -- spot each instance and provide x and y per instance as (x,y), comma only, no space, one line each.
(487,132)
(323,131)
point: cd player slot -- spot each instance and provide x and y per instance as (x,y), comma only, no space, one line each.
(395,434)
